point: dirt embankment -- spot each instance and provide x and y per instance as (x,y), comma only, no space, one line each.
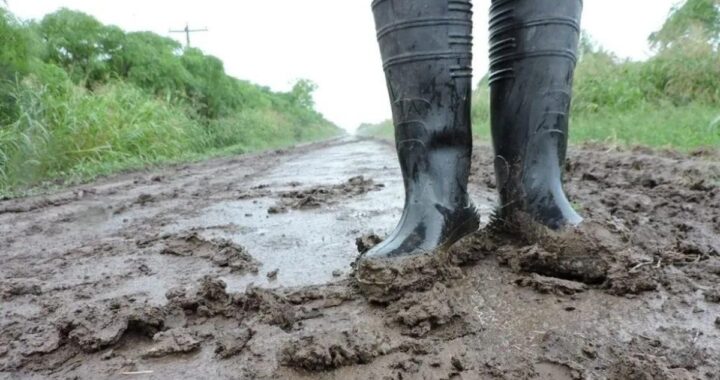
(632,294)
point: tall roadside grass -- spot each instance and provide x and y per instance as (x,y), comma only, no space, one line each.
(75,134)
(78,134)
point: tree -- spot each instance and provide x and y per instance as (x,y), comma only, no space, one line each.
(151,62)
(15,57)
(80,44)
(15,52)
(693,19)
(213,93)
(302,93)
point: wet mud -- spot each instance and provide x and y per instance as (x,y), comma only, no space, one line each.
(317,196)
(163,274)
(220,252)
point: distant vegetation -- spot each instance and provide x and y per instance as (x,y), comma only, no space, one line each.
(79,98)
(669,100)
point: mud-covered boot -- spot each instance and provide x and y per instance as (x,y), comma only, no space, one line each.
(426,50)
(533,51)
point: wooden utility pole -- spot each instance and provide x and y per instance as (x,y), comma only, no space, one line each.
(187,32)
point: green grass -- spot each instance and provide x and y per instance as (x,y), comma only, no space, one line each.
(684,128)
(77,135)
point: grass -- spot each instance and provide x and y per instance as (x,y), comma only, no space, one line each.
(683,128)
(65,137)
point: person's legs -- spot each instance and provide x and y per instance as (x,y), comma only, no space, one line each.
(533,46)
(426,49)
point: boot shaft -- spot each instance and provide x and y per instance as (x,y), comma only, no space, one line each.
(533,52)
(426,47)
(522,30)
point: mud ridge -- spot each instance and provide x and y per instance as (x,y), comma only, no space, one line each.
(317,196)
(221,252)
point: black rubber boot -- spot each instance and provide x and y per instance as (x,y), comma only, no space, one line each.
(533,46)
(426,50)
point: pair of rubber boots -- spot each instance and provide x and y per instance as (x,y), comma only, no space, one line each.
(426,46)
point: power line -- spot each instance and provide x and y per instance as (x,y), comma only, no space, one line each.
(187,32)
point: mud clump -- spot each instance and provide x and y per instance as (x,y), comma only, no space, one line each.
(41,339)
(661,359)
(144,199)
(536,259)
(323,352)
(211,299)
(93,328)
(583,253)
(17,288)
(367,242)
(713,295)
(567,261)
(323,296)
(208,300)
(551,285)
(233,342)
(386,280)
(277,210)
(268,306)
(646,367)
(221,252)
(697,239)
(171,342)
(316,197)
(419,313)
(255,192)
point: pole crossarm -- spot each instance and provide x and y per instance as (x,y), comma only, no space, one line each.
(187,32)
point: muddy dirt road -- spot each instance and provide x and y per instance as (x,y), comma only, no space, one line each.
(240,268)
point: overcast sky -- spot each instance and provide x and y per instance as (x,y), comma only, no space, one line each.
(331,42)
